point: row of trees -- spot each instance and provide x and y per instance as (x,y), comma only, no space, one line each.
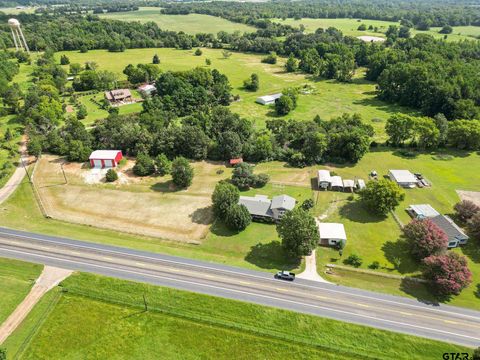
(430,133)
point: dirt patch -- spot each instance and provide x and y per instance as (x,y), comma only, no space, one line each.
(69,109)
(149,206)
(473,196)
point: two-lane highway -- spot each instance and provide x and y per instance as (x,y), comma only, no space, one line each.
(447,323)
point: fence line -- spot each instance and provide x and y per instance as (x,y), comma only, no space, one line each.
(24,345)
(377,273)
(190,316)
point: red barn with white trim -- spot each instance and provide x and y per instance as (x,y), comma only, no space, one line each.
(100,159)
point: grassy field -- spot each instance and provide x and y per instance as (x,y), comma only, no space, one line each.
(350,26)
(16,279)
(15,11)
(329,99)
(190,24)
(375,238)
(103,318)
(138,205)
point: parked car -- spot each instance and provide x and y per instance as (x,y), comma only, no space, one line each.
(285,275)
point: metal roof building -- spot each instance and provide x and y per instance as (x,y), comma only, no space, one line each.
(455,234)
(403,178)
(268,99)
(422,211)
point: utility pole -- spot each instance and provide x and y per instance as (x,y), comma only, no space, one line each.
(25,168)
(145,302)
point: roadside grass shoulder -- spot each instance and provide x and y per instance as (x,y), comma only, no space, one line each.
(104,317)
(16,279)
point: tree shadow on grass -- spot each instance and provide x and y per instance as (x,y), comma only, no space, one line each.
(202,216)
(477,292)
(220,229)
(164,187)
(271,256)
(398,254)
(419,291)
(355,211)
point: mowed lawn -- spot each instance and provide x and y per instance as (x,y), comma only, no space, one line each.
(350,27)
(376,238)
(190,24)
(16,279)
(329,98)
(99,317)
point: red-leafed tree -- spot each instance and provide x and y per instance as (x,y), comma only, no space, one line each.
(448,274)
(465,210)
(474,226)
(425,238)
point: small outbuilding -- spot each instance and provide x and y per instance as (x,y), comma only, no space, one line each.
(324,179)
(404,178)
(348,185)
(360,184)
(422,211)
(100,159)
(336,183)
(146,89)
(235,161)
(331,234)
(268,99)
(118,96)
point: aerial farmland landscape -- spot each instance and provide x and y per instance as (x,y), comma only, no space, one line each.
(233,180)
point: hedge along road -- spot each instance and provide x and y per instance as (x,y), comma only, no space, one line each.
(439,322)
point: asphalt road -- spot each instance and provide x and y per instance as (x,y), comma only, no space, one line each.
(446,323)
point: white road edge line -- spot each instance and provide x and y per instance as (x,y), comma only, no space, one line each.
(260,295)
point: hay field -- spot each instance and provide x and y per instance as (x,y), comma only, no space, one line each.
(146,206)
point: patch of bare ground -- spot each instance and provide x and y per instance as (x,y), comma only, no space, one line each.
(149,206)
(473,196)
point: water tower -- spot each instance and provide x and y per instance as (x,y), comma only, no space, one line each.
(18,38)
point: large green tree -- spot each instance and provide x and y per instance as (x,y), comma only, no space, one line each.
(382,196)
(224,196)
(182,172)
(299,232)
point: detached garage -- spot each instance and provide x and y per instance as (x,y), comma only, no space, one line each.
(100,159)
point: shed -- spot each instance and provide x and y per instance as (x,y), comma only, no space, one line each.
(336,183)
(331,233)
(100,159)
(455,234)
(348,185)
(146,89)
(403,178)
(360,184)
(235,161)
(268,99)
(422,211)
(324,179)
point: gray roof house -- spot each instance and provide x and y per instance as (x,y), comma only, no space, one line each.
(455,234)
(268,99)
(261,207)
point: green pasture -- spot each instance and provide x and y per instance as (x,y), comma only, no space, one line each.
(376,238)
(350,27)
(328,98)
(16,279)
(99,317)
(190,24)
